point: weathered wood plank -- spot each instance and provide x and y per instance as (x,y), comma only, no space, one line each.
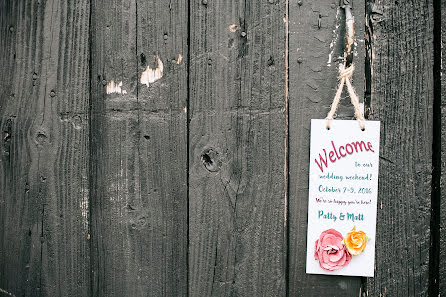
(139,141)
(402,98)
(237,149)
(44,191)
(316,47)
(442,144)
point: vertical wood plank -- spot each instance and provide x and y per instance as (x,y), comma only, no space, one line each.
(44,191)
(237,243)
(316,47)
(139,148)
(402,98)
(442,146)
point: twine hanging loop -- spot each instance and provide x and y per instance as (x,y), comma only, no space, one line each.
(346,72)
(345,75)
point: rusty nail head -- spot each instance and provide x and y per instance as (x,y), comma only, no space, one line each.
(52,93)
(299,3)
(299,60)
(11,29)
(209,61)
(205,2)
(165,36)
(35,76)
(243,34)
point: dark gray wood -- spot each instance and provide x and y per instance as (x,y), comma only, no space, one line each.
(402,98)
(313,58)
(138,155)
(44,191)
(237,210)
(95,178)
(442,143)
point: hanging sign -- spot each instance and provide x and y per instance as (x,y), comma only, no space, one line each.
(343,187)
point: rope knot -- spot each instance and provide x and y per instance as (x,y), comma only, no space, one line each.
(345,75)
(346,72)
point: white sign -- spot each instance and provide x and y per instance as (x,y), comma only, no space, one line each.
(343,188)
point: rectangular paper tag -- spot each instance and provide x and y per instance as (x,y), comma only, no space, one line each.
(343,188)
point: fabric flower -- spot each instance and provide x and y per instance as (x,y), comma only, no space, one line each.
(355,241)
(330,251)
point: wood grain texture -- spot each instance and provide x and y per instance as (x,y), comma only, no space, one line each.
(95,177)
(442,143)
(44,191)
(139,155)
(314,56)
(237,243)
(402,99)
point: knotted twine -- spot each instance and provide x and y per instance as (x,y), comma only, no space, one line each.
(345,75)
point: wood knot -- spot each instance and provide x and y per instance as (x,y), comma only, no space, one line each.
(141,222)
(211,160)
(270,61)
(77,122)
(41,138)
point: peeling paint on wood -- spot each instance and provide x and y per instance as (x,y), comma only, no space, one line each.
(234,27)
(139,150)
(179,59)
(113,87)
(237,242)
(312,84)
(150,75)
(195,182)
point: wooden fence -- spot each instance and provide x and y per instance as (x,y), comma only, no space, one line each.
(161,148)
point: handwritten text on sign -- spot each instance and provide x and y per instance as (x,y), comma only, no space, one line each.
(343,188)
